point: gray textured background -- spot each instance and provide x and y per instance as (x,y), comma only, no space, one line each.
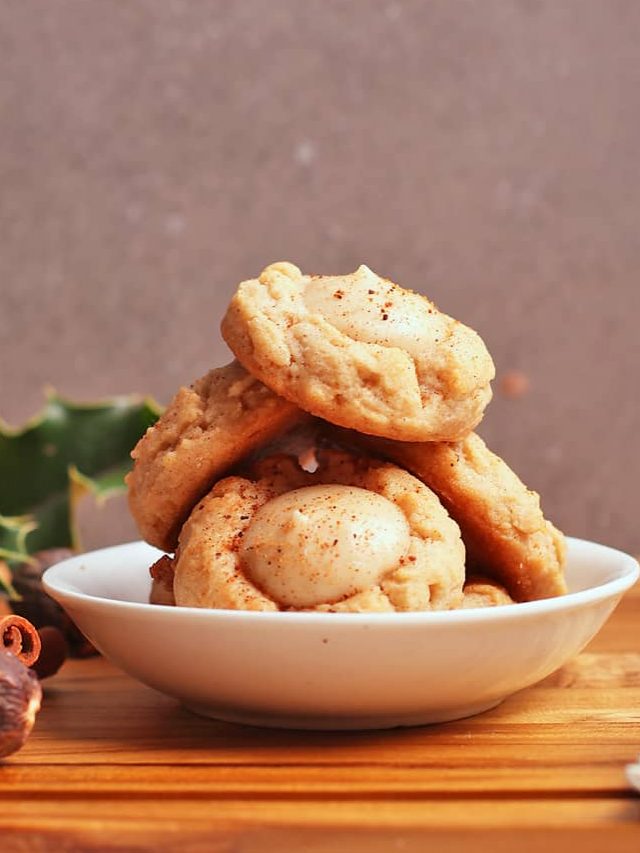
(152,154)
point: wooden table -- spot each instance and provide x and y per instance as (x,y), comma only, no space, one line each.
(113,765)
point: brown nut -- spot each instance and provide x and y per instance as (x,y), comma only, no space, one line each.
(54,652)
(20,697)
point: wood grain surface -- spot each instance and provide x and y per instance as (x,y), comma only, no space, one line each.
(112,765)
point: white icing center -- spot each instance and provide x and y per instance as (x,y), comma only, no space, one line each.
(321,544)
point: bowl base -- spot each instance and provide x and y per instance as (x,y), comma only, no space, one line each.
(331,722)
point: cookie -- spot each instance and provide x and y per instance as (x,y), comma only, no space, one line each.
(483,592)
(355,535)
(506,535)
(205,430)
(361,352)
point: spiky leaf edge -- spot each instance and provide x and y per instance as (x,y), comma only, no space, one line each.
(108,483)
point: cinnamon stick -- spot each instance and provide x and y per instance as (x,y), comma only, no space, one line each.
(18,636)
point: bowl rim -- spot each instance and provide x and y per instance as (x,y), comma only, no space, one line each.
(55,584)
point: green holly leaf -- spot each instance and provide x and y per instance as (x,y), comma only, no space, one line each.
(65,451)
(13,535)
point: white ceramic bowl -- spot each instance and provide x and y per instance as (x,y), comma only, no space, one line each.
(335,670)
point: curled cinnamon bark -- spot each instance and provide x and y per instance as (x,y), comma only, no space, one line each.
(18,636)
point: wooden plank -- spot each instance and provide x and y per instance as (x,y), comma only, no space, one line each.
(204,838)
(453,774)
(452,813)
(118,720)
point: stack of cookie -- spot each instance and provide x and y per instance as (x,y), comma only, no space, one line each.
(393,504)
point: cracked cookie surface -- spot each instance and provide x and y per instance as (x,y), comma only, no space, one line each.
(361,352)
(205,430)
(505,532)
(356,535)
